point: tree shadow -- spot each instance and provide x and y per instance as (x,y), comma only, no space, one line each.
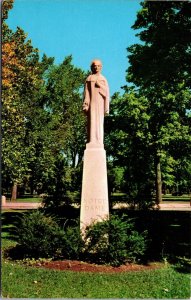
(62,212)
(182,265)
(168,232)
(10,221)
(185,269)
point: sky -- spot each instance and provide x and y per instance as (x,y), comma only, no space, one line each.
(85,29)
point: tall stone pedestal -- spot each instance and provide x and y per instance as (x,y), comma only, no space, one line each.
(94,198)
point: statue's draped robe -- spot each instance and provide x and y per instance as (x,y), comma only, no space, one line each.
(97,99)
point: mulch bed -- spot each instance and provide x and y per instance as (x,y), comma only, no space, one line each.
(78,266)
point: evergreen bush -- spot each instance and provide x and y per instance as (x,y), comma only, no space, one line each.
(39,235)
(115,241)
(72,243)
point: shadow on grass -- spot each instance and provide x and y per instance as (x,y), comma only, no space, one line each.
(168,231)
(185,269)
(63,213)
(182,265)
(10,221)
(15,253)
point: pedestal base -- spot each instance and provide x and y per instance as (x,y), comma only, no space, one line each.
(3,200)
(94,198)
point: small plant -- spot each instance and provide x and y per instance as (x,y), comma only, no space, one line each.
(72,243)
(39,235)
(115,241)
(34,262)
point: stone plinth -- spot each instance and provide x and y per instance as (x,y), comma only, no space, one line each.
(94,198)
(3,200)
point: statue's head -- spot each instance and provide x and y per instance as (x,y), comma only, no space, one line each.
(96,66)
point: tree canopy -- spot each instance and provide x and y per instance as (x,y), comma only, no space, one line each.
(152,118)
(41,120)
(148,138)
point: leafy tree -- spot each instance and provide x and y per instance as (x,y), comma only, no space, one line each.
(182,173)
(159,68)
(42,125)
(128,141)
(39,135)
(21,85)
(64,103)
(6,6)
(182,167)
(115,177)
(64,84)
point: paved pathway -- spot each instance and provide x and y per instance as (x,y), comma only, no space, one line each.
(20,205)
(175,206)
(181,206)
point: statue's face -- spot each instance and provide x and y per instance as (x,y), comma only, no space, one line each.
(96,67)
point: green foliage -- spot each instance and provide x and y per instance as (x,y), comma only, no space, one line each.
(66,135)
(63,187)
(129,143)
(164,54)
(39,235)
(64,98)
(159,67)
(115,178)
(115,241)
(42,116)
(72,243)
(43,127)
(22,89)
(43,122)
(150,123)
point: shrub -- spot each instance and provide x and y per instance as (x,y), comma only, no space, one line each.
(72,243)
(114,241)
(39,235)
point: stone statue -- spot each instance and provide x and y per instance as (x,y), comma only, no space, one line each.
(96,102)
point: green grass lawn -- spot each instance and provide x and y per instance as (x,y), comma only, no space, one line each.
(123,198)
(28,199)
(116,197)
(21,281)
(184,198)
(29,282)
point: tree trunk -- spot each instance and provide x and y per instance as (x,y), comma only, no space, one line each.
(158,183)
(14,192)
(32,187)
